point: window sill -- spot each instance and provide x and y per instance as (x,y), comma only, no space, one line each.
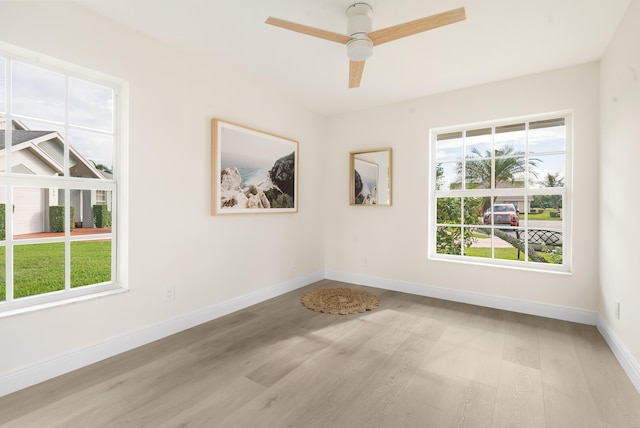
(19,307)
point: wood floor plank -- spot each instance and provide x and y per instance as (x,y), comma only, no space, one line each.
(520,396)
(433,400)
(455,359)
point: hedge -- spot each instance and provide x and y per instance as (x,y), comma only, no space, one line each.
(101,216)
(3,231)
(56,218)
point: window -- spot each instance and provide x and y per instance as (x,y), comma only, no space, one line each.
(499,193)
(58,181)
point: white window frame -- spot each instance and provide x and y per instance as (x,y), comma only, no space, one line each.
(117,185)
(566,192)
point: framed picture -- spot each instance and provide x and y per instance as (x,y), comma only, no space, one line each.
(367,171)
(370,177)
(252,171)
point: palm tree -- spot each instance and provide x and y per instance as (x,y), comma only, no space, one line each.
(554,180)
(508,165)
(101,167)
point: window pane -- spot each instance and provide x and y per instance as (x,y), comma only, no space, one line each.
(481,243)
(90,105)
(478,143)
(449,147)
(3,235)
(448,240)
(38,269)
(547,171)
(37,210)
(91,211)
(473,208)
(36,151)
(510,172)
(449,210)
(510,139)
(505,212)
(547,209)
(3,216)
(507,244)
(478,174)
(91,155)
(37,93)
(3,91)
(5,132)
(547,136)
(90,262)
(3,275)
(547,245)
(447,176)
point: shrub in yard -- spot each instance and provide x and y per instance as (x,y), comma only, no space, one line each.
(101,216)
(3,230)
(56,218)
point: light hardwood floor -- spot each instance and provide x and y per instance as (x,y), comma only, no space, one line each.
(413,362)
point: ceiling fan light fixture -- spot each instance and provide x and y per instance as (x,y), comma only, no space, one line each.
(360,48)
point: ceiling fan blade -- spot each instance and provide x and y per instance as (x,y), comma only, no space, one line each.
(304,29)
(355,73)
(418,26)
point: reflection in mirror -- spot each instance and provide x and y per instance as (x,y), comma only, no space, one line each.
(370,177)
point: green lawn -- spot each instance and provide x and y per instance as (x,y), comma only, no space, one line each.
(545,215)
(39,268)
(500,253)
(503,254)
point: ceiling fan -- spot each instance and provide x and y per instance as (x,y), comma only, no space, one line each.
(361,40)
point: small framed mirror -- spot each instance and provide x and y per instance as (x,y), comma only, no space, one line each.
(370,177)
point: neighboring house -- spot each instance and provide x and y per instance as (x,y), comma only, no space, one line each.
(42,153)
(518,203)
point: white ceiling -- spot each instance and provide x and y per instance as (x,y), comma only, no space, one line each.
(500,39)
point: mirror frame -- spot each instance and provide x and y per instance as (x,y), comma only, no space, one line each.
(352,176)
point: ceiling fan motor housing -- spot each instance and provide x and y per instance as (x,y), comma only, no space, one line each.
(358,25)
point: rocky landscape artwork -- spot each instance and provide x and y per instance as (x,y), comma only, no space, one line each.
(370,177)
(253,171)
(366,182)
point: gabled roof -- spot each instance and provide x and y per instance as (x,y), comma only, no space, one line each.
(42,144)
(19,136)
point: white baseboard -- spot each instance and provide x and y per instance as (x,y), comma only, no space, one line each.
(526,307)
(629,364)
(48,369)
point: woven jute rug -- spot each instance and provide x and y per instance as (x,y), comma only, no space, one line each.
(340,301)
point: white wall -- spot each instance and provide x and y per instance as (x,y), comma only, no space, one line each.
(619,155)
(173,238)
(398,251)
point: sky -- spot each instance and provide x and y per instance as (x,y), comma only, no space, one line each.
(259,148)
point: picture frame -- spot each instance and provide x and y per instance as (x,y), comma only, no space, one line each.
(253,172)
(370,177)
